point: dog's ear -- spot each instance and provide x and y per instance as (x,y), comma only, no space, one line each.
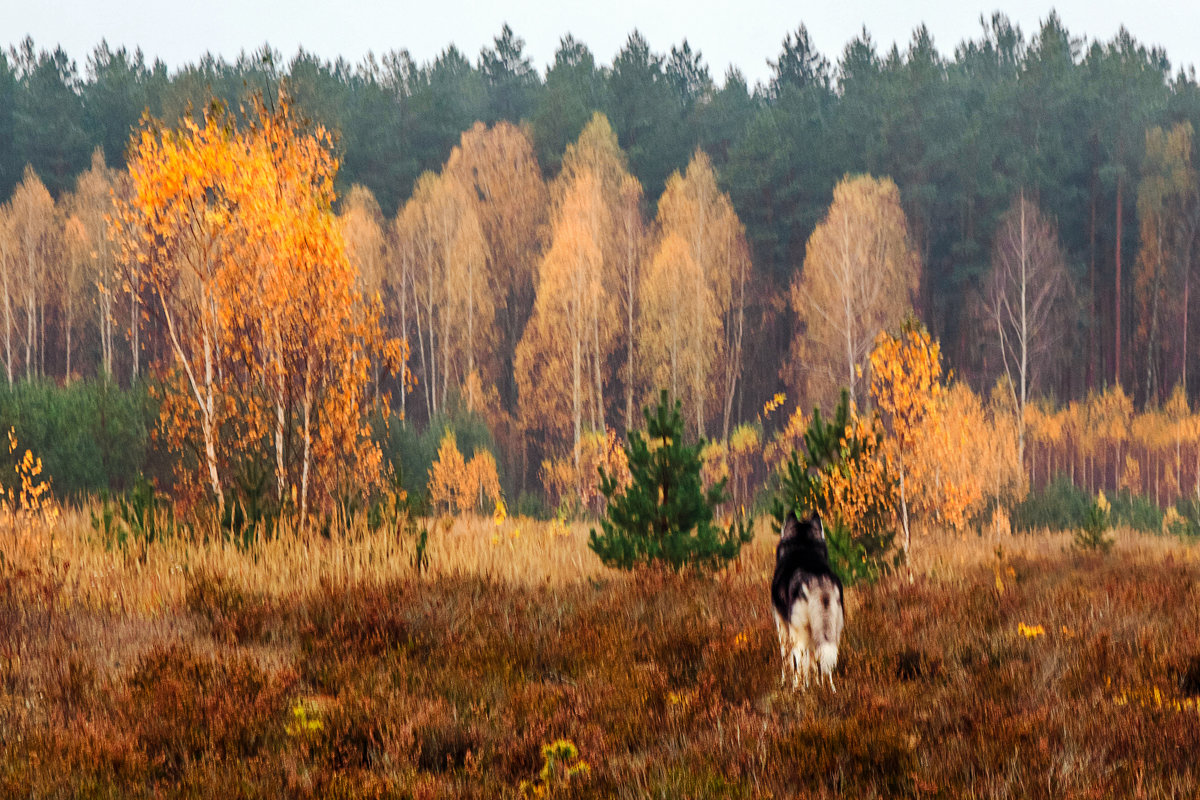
(818,528)
(791,526)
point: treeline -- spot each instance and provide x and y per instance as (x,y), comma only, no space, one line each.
(961,133)
(724,243)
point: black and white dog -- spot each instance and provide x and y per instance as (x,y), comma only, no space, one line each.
(806,600)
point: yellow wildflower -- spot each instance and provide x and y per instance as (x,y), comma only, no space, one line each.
(1030,631)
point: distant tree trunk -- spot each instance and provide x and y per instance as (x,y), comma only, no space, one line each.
(8,311)
(733,371)
(308,404)
(30,315)
(403,333)
(134,345)
(1093,349)
(1117,285)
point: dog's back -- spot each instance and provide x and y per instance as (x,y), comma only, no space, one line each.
(806,597)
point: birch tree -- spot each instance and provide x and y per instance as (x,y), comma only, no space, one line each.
(1028,280)
(859,277)
(92,206)
(569,337)
(694,208)
(34,238)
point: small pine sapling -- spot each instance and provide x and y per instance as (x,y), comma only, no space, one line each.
(664,514)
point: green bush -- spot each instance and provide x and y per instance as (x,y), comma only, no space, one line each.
(664,514)
(138,517)
(1093,533)
(1136,511)
(91,435)
(854,555)
(1059,505)
(411,450)
(1062,506)
(1188,525)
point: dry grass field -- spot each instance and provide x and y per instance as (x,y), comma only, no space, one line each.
(517,665)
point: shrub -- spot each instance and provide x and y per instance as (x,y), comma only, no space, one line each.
(840,476)
(92,435)
(1186,520)
(138,518)
(664,514)
(1091,535)
(1061,505)
(412,451)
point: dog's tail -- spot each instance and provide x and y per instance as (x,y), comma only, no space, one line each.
(827,653)
(825,615)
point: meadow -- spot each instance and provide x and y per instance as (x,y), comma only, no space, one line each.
(516,665)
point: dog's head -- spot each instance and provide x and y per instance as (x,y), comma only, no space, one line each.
(810,529)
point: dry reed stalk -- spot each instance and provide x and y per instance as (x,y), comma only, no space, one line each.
(153,579)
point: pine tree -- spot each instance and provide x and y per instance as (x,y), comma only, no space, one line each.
(664,514)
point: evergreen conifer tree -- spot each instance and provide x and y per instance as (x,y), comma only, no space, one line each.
(664,514)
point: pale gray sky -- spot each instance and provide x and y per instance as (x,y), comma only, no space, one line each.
(745,33)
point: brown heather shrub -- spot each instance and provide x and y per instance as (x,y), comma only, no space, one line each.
(234,614)
(198,673)
(184,707)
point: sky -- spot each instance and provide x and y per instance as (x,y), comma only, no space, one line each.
(744,33)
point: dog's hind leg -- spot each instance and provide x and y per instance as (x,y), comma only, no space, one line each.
(800,663)
(781,631)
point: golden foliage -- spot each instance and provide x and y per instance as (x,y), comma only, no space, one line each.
(449,480)
(28,506)
(573,481)
(859,274)
(560,362)
(858,488)
(460,486)
(681,326)
(966,455)
(269,337)
(696,217)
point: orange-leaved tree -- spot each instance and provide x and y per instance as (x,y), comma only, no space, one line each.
(906,387)
(458,485)
(269,339)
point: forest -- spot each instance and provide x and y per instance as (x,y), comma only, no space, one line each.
(1039,167)
(319,379)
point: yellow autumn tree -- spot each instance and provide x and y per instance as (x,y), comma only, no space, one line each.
(500,170)
(498,166)
(681,326)
(562,358)
(268,337)
(618,232)
(460,486)
(72,281)
(859,277)
(441,232)
(449,480)
(965,455)
(906,388)
(578,487)
(363,231)
(91,206)
(694,209)
(34,251)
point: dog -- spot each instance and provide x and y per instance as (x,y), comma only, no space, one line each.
(806,601)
